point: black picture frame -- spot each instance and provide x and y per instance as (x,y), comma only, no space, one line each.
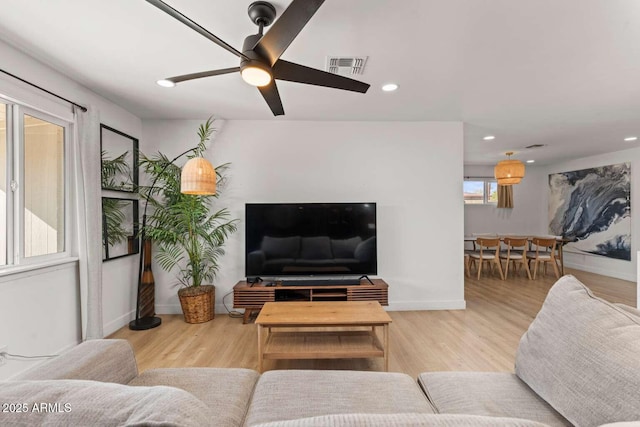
(116,145)
(120,237)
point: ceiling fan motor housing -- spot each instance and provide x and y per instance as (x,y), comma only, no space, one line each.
(254,60)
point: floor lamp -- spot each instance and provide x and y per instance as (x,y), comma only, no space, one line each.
(198,177)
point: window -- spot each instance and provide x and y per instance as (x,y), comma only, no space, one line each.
(3,184)
(33,185)
(480,191)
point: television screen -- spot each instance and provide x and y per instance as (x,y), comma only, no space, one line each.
(310,239)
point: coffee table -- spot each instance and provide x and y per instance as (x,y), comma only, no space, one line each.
(323,330)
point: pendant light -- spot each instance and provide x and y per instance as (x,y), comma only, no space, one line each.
(198,177)
(509,172)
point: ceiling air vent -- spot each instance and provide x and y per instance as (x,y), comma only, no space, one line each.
(535,146)
(346,65)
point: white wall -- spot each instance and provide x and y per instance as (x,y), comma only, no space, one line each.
(39,311)
(412,170)
(637,281)
(523,219)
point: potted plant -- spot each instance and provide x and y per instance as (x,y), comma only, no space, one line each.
(189,233)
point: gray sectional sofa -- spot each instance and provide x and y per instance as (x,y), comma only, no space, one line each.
(577,364)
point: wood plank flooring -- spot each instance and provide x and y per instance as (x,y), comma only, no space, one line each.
(484,337)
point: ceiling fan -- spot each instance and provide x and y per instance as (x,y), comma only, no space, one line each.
(260,63)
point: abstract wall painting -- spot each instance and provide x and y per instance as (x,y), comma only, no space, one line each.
(592,208)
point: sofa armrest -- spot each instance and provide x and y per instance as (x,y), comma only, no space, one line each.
(98,360)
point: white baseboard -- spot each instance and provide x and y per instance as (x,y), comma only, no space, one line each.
(602,271)
(113,325)
(168,309)
(176,309)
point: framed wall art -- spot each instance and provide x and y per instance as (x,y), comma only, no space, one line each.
(119,228)
(118,160)
(592,209)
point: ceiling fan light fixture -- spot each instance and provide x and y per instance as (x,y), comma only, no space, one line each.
(256,75)
(260,62)
(166,83)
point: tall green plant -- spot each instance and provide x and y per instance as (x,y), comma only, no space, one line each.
(189,233)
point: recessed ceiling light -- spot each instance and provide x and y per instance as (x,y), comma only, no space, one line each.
(389,87)
(489,138)
(166,83)
(531,161)
(631,138)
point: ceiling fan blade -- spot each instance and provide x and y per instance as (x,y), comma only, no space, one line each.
(271,95)
(284,70)
(194,26)
(192,76)
(286,28)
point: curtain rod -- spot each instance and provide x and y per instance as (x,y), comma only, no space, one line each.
(479,177)
(83,108)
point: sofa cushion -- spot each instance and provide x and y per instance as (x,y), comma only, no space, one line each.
(628,309)
(402,419)
(97,360)
(496,394)
(281,247)
(318,247)
(345,248)
(226,391)
(291,394)
(88,403)
(581,354)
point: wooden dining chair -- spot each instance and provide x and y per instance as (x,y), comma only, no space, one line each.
(516,254)
(489,252)
(545,252)
(467,261)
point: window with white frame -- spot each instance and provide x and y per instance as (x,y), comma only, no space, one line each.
(33,186)
(480,191)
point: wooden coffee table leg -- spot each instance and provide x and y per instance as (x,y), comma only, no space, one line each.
(260,348)
(385,330)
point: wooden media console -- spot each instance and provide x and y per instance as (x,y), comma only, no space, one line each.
(251,297)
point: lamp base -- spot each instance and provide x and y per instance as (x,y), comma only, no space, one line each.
(145,323)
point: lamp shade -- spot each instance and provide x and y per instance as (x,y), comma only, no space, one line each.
(198,177)
(509,172)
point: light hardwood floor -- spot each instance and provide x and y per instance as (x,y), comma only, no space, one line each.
(484,337)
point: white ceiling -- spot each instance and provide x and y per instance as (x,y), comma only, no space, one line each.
(564,73)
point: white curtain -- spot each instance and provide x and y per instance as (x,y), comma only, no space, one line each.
(86,159)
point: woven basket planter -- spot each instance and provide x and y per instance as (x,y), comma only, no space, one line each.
(197,303)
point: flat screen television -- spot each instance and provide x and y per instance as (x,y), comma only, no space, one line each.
(310,239)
